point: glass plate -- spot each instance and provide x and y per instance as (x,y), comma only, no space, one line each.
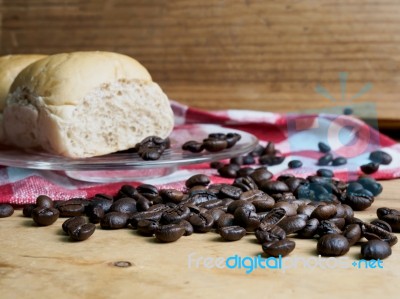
(119,167)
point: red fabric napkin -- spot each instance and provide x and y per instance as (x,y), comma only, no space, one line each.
(295,135)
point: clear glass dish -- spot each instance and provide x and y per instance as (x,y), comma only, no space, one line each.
(119,167)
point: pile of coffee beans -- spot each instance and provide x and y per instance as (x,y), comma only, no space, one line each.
(274,211)
(215,142)
(150,148)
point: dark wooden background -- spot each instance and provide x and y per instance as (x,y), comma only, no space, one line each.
(255,54)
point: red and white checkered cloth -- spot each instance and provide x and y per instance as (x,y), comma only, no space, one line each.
(296,136)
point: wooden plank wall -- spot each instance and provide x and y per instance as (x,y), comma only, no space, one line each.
(255,54)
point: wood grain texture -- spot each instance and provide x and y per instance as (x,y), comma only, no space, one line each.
(218,54)
(40,262)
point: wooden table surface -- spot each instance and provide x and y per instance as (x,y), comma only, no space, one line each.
(40,262)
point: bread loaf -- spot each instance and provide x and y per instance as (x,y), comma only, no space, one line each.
(85,104)
(10,66)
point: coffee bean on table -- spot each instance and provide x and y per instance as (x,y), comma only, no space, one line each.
(232,233)
(198,179)
(382,224)
(169,233)
(125,205)
(71,208)
(295,164)
(44,201)
(358,202)
(247,218)
(371,185)
(310,229)
(114,220)
(74,221)
(6,210)
(380,157)
(45,216)
(352,233)
(339,161)
(375,249)
(273,187)
(292,224)
(146,227)
(279,247)
(333,245)
(369,168)
(202,223)
(78,229)
(323,147)
(327,173)
(324,212)
(187,226)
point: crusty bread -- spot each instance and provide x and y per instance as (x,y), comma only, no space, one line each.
(10,66)
(85,104)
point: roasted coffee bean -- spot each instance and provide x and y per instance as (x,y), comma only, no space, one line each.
(248,160)
(349,213)
(27,210)
(295,164)
(339,222)
(339,161)
(245,183)
(263,205)
(193,146)
(74,221)
(354,187)
(231,191)
(273,187)
(290,209)
(324,212)
(245,171)
(127,191)
(307,210)
(333,245)
(310,229)
(326,227)
(358,202)
(148,215)
(236,160)
(293,183)
(375,249)
(272,218)
(275,233)
(96,213)
(6,210)
(216,213)
(211,204)
(225,220)
(197,179)
(142,203)
(279,248)
(391,216)
(292,224)
(232,139)
(261,174)
(323,147)
(325,160)
(269,149)
(71,208)
(202,223)
(371,185)
(201,196)
(169,233)
(216,164)
(152,147)
(228,170)
(215,145)
(326,173)
(114,220)
(187,226)
(286,197)
(220,136)
(253,195)
(380,157)
(382,224)
(78,229)
(247,219)
(257,151)
(44,201)
(45,216)
(147,190)
(232,233)
(146,227)
(271,160)
(369,167)
(373,232)
(175,215)
(240,203)
(125,205)
(352,233)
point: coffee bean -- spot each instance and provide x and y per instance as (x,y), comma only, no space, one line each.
(273,234)
(74,221)
(263,205)
(215,145)
(375,249)
(231,191)
(216,213)
(187,226)
(257,151)
(169,233)
(382,224)
(147,190)
(295,164)
(369,167)
(292,224)
(44,201)
(114,220)
(216,165)
(202,223)
(125,205)
(352,233)
(228,170)
(271,160)
(380,157)
(248,160)
(272,218)
(232,139)
(273,187)
(373,232)
(339,161)
(240,203)
(245,171)
(294,183)
(201,196)
(371,185)
(357,201)
(27,210)
(333,245)
(261,174)
(245,183)
(127,191)
(232,233)
(236,160)
(225,220)
(78,229)
(175,215)
(247,219)
(324,212)
(327,173)
(279,248)
(323,147)
(45,216)
(193,146)
(6,210)
(71,208)
(325,160)
(146,227)
(211,204)
(327,227)
(310,229)
(290,209)
(147,215)
(198,179)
